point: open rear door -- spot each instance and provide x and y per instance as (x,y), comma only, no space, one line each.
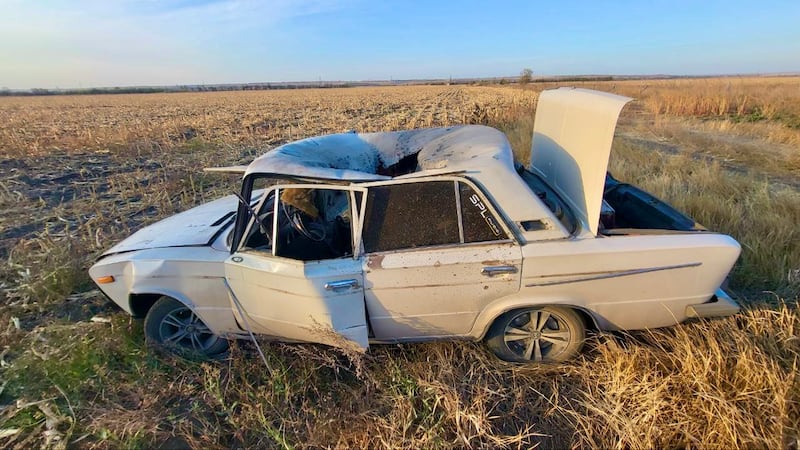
(318,301)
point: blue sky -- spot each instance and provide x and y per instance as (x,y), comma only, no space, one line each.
(83,43)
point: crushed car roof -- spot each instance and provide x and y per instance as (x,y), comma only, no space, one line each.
(573,130)
(366,156)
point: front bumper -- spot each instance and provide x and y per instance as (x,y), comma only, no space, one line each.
(720,305)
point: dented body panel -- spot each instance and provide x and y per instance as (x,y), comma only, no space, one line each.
(424,234)
(437,292)
(294,300)
(192,275)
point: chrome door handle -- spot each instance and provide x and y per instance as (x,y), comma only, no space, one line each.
(341,284)
(491,271)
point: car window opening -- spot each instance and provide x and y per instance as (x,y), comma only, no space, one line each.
(428,213)
(312,224)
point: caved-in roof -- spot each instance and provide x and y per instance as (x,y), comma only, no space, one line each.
(367,156)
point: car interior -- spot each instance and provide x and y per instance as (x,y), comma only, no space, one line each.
(312,224)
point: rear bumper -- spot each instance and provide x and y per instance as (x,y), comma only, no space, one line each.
(720,305)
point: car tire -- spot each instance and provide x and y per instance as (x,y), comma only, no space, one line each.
(173,326)
(537,335)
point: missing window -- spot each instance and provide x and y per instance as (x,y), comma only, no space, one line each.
(312,224)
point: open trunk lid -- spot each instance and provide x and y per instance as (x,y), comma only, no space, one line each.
(572,136)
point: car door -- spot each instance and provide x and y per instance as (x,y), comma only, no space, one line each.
(436,255)
(281,288)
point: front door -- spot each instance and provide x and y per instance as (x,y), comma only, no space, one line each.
(297,274)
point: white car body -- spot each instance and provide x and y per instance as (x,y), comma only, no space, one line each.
(523,254)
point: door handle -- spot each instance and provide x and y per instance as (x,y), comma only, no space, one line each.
(491,271)
(341,284)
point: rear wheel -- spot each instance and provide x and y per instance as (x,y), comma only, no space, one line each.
(172,325)
(540,334)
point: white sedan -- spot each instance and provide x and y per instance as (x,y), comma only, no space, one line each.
(356,239)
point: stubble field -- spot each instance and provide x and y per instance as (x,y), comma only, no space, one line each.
(79,173)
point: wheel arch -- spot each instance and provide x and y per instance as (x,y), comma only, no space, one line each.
(141,302)
(490,314)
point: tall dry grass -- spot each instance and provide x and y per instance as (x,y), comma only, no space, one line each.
(723,384)
(751,123)
(741,99)
(745,99)
(730,383)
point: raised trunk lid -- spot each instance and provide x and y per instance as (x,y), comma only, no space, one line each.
(572,135)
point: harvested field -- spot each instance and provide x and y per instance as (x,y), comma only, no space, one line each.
(79,173)
(150,122)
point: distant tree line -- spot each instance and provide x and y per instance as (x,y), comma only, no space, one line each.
(525,77)
(167,89)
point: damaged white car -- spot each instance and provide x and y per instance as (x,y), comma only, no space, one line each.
(360,239)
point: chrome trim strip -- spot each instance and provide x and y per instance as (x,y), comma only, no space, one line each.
(614,274)
(275,202)
(459,213)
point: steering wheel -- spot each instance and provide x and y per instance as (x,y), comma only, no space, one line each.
(313,230)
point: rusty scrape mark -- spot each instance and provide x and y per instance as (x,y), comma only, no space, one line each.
(375,262)
(492,262)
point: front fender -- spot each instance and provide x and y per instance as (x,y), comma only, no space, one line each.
(194,276)
(214,309)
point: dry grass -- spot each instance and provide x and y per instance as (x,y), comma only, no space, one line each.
(730,383)
(751,122)
(724,384)
(79,173)
(735,99)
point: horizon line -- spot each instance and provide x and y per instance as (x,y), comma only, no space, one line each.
(513,79)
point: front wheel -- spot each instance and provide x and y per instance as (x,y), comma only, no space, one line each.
(172,325)
(539,334)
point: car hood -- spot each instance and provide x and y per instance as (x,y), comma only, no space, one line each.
(572,135)
(194,227)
